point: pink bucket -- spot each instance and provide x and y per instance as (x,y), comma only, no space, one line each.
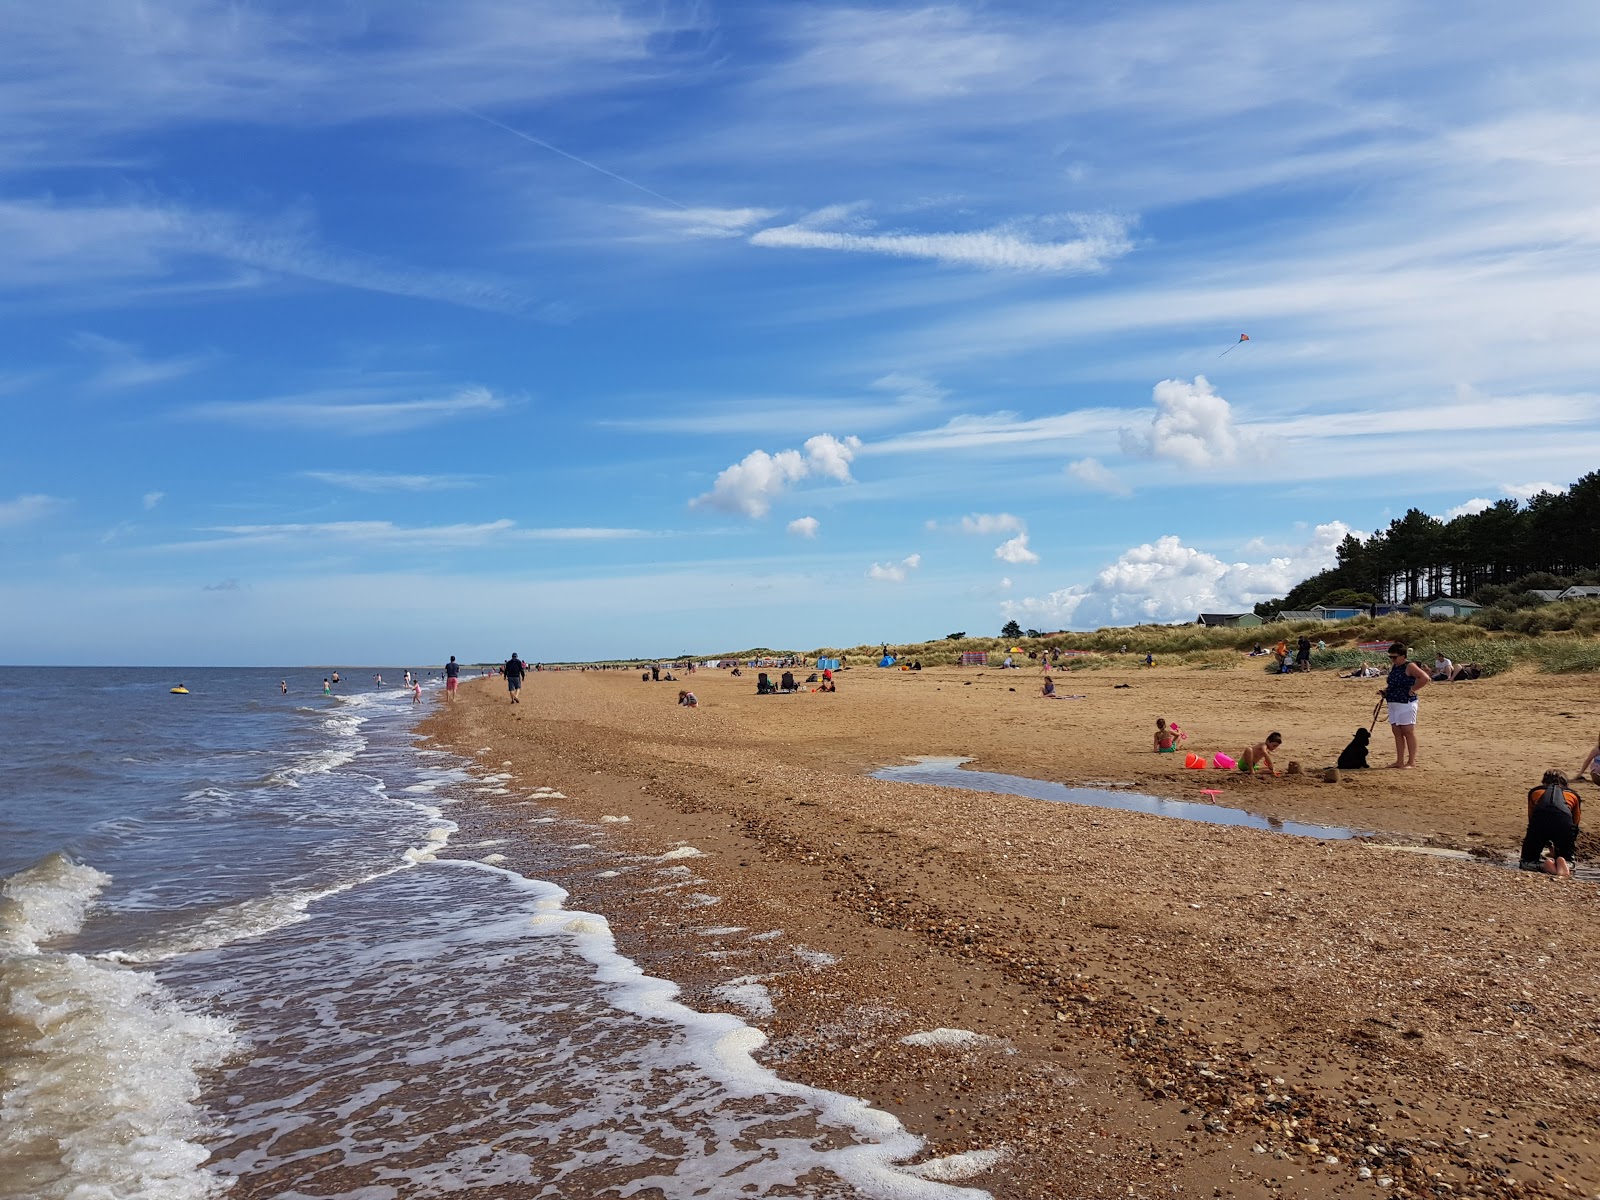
(1222,762)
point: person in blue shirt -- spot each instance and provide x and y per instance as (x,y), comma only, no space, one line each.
(1400,690)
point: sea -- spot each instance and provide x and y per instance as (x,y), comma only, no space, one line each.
(246,949)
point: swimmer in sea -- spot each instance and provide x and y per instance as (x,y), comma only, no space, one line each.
(283,686)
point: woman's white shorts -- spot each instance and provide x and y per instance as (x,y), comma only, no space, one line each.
(1403,714)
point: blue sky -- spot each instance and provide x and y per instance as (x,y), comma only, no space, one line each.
(373,333)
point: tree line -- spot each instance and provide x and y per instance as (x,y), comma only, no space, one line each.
(1552,540)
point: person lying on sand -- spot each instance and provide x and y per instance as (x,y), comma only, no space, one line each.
(1354,756)
(1258,759)
(1554,811)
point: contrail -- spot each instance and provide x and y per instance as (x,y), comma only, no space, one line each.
(488,120)
(540,142)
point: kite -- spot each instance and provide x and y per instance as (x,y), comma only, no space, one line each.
(1243,337)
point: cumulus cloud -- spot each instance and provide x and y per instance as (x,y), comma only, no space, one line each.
(1516,491)
(1092,473)
(894,572)
(1470,507)
(1092,241)
(28,508)
(1016,551)
(151,499)
(1168,581)
(1005,583)
(752,483)
(805,527)
(1192,425)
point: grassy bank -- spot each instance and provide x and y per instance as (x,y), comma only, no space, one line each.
(1564,652)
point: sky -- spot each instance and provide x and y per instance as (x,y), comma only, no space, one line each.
(373,333)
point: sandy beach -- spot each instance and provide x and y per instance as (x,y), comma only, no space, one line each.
(1146,1005)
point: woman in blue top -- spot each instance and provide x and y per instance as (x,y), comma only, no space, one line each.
(1405,680)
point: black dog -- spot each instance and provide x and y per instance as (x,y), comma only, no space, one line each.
(1354,756)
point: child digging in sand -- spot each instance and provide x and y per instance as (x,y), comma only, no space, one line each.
(1258,759)
(1168,737)
(1554,811)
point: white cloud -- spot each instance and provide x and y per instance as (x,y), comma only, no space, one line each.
(66,249)
(805,527)
(985,524)
(345,411)
(1167,581)
(707,222)
(1016,551)
(1100,239)
(1476,505)
(126,367)
(752,483)
(151,499)
(1192,425)
(386,534)
(1005,583)
(894,572)
(29,508)
(1527,491)
(380,481)
(1092,473)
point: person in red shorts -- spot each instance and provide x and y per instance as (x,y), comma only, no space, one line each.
(452,678)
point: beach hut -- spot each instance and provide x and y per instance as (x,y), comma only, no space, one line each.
(1339,612)
(1227,620)
(1444,607)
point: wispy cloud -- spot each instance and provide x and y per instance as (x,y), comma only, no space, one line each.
(388,535)
(705,222)
(31,507)
(383,481)
(1094,474)
(343,411)
(1017,246)
(67,249)
(151,499)
(909,396)
(124,365)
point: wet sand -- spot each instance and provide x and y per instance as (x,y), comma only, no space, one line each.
(1160,1006)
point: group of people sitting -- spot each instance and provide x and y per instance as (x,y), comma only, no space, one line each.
(786,684)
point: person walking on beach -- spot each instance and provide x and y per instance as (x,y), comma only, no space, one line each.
(1302,654)
(416,691)
(452,679)
(1405,680)
(515,668)
(1554,811)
